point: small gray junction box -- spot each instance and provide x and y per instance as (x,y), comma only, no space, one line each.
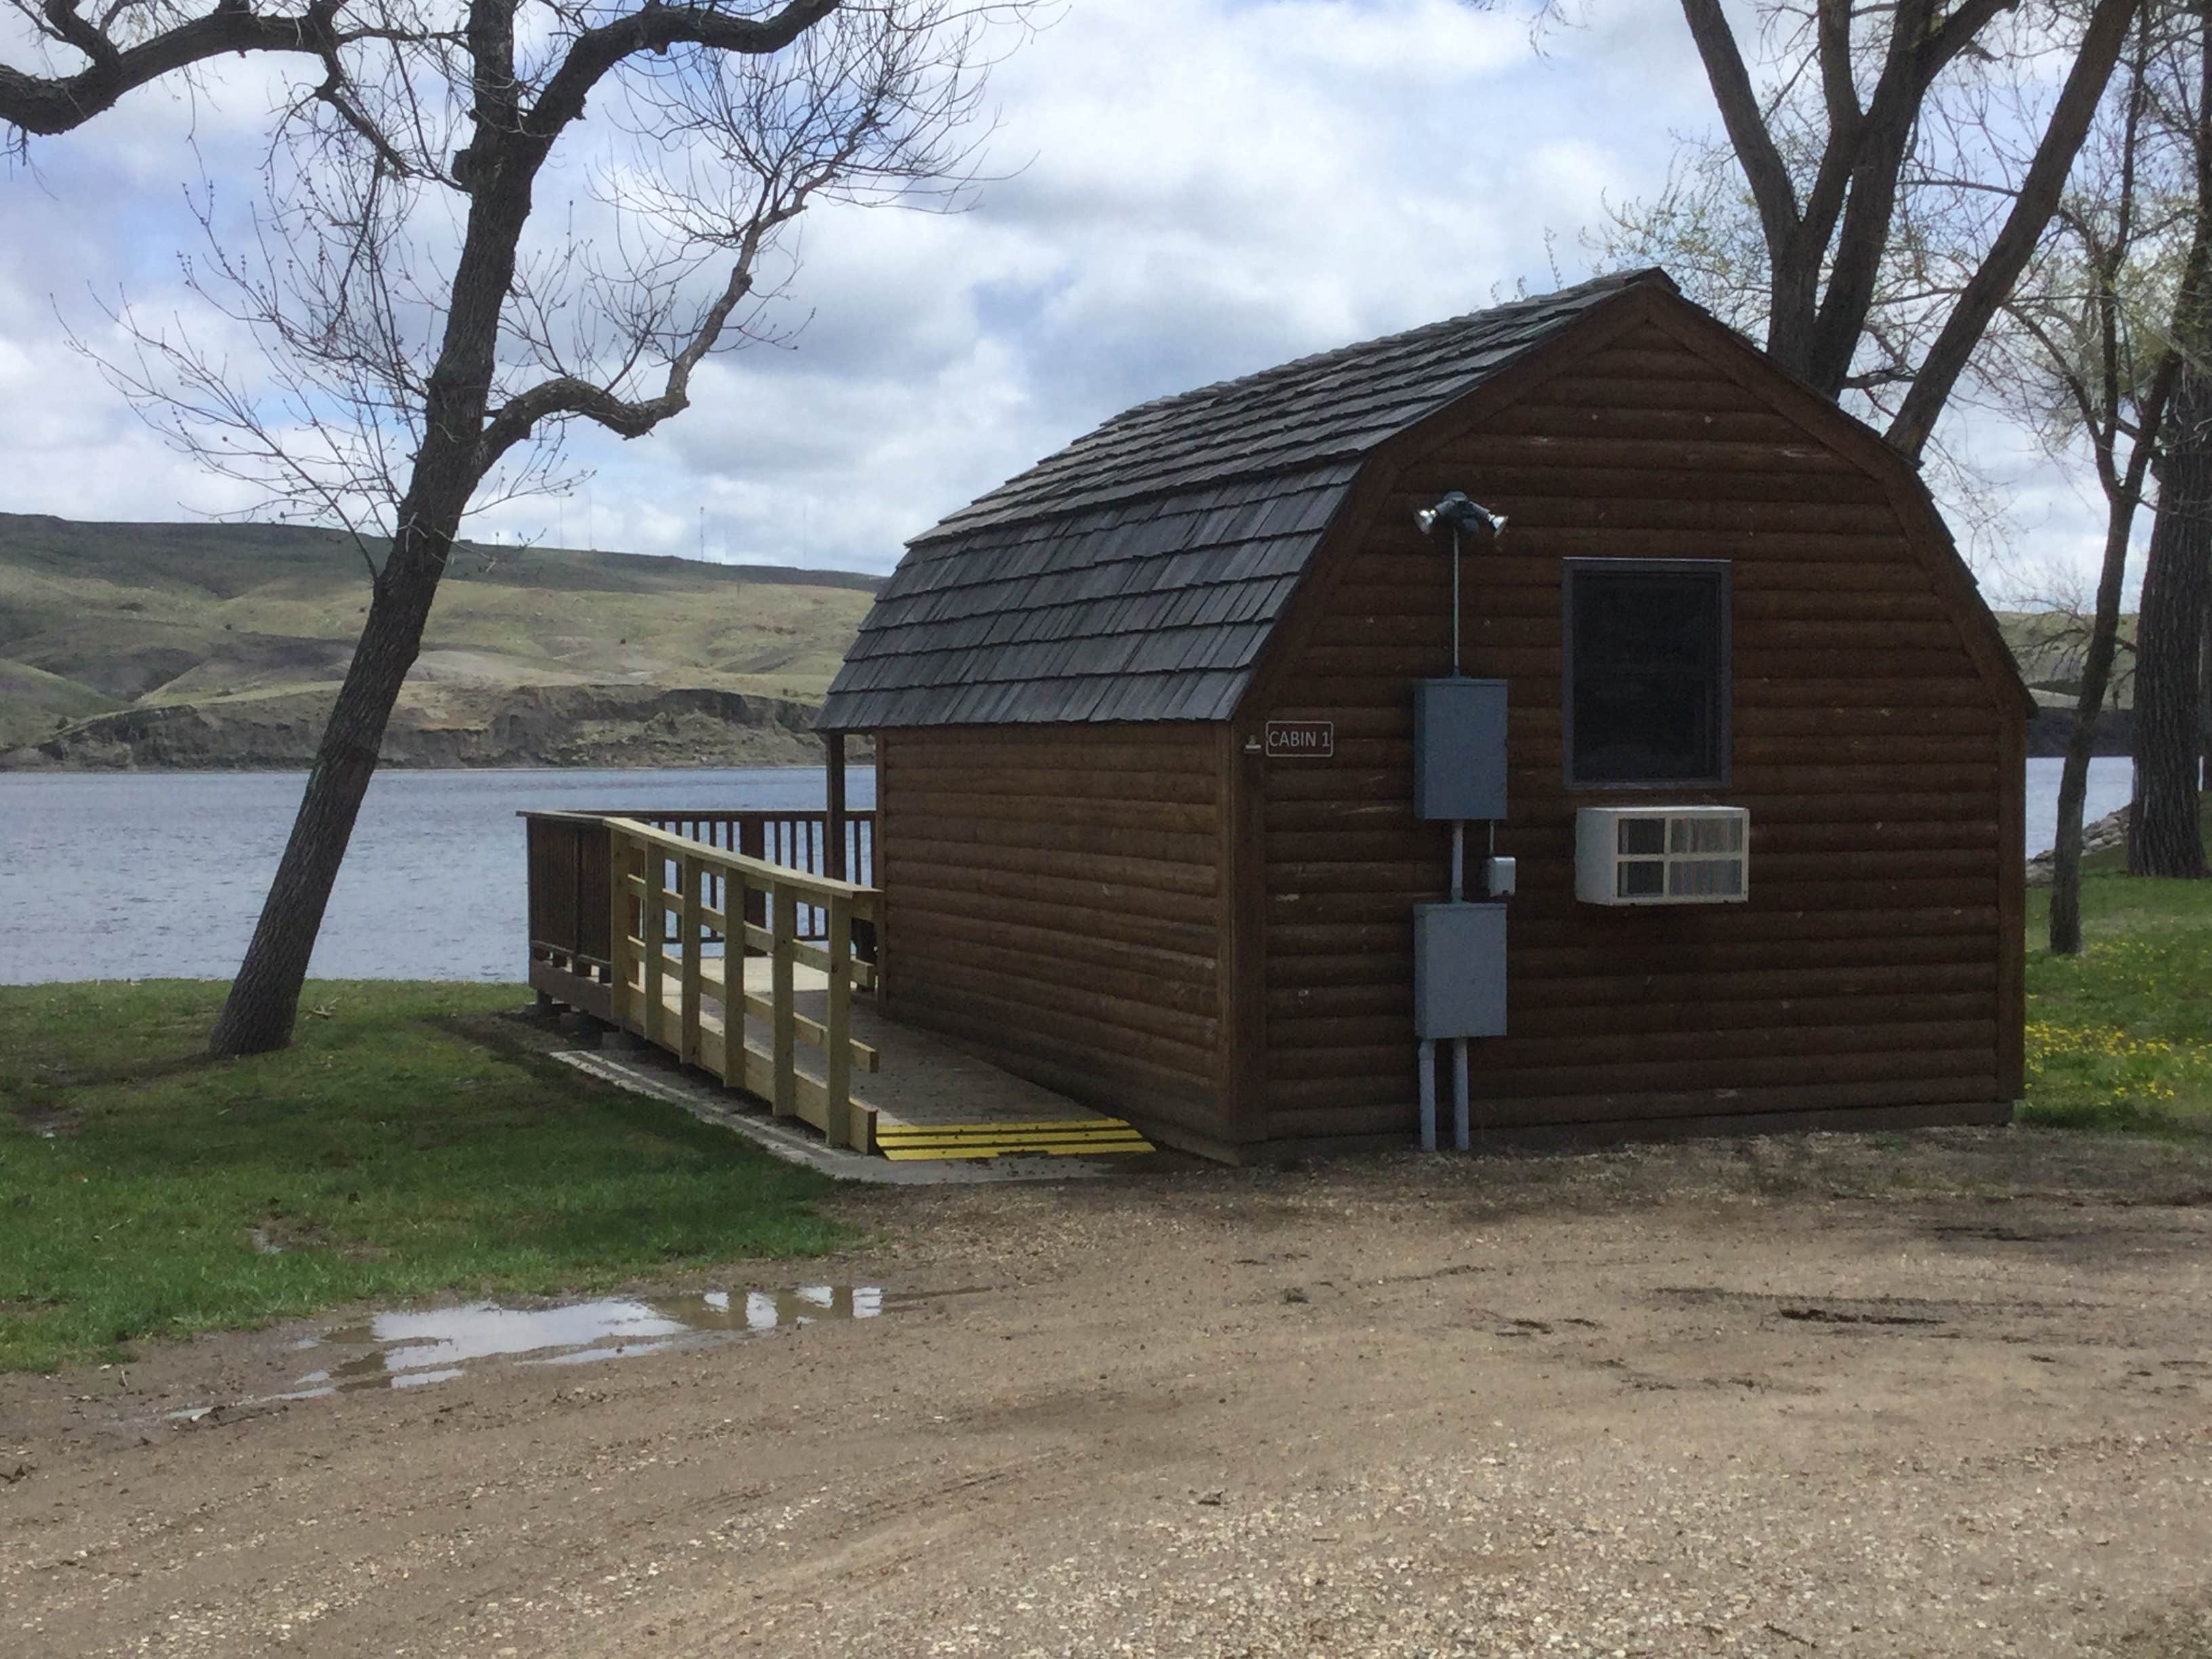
(1459,971)
(1459,749)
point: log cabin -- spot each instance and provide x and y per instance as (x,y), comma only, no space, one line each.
(1559,707)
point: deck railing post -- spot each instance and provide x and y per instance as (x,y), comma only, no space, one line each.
(653,936)
(752,843)
(618,917)
(833,825)
(837,1021)
(581,894)
(737,898)
(692,901)
(783,1038)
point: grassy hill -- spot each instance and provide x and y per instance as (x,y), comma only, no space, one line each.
(110,631)
(2049,646)
(222,645)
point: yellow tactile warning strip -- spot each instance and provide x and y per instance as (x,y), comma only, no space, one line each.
(1090,1136)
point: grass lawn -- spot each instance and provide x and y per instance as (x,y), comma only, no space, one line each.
(408,1144)
(2120,1038)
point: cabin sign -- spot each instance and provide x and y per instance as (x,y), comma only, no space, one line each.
(1302,739)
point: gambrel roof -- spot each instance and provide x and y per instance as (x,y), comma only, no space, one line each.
(1137,574)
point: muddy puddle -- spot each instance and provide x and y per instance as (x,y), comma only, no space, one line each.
(406,1350)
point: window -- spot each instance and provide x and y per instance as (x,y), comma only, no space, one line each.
(1646,672)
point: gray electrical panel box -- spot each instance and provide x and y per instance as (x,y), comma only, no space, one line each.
(1459,749)
(1459,971)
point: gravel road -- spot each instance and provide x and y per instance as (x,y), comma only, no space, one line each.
(1935,1394)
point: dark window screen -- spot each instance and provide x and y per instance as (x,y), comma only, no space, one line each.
(1647,673)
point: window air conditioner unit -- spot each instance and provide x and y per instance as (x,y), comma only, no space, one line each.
(1662,854)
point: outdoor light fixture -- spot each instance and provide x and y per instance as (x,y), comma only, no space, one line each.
(1456,511)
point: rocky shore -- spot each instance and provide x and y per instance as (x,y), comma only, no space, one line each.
(564,726)
(2109,830)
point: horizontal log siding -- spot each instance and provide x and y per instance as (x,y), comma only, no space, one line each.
(1865,970)
(1054,903)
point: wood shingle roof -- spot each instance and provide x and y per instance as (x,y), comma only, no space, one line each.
(1137,575)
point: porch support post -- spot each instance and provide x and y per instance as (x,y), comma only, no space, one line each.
(833,839)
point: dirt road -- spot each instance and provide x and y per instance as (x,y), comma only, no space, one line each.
(1943,1395)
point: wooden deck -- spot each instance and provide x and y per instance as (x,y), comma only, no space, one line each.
(925,1083)
(930,1099)
(639,927)
(924,1079)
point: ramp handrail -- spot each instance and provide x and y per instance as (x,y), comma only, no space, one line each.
(662,890)
(797,836)
(657,876)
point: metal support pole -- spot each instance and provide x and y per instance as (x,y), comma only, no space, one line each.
(1428,1095)
(1458,860)
(1461,1136)
(1454,601)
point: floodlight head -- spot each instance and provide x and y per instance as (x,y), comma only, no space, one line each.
(1456,512)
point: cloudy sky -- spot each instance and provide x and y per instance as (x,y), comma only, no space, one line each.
(1190,190)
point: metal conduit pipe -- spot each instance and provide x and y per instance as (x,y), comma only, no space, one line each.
(1457,512)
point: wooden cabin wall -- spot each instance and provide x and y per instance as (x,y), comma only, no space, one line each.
(1053,901)
(1870,967)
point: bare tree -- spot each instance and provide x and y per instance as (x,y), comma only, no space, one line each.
(433,331)
(1846,102)
(1888,193)
(2100,317)
(2165,835)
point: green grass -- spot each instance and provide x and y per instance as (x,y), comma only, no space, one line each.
(409,1143)
(2120,1038)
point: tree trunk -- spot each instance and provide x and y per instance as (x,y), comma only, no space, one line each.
(2166,835)
(264,999)
(2081,741)
(2204,694)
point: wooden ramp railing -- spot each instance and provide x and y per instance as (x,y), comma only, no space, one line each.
(674,930)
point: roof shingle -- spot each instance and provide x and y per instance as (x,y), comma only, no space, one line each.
(1137,575)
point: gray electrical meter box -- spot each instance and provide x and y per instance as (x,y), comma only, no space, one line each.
(1459,749)
(1459,971)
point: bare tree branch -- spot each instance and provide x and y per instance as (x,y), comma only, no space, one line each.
(47,105)
(2008,255)
(625,417)
(1860,102)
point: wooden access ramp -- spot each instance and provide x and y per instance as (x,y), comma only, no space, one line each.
(932,1100)
(748,970)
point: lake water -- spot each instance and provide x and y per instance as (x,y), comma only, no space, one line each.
(2112,781)
(145,875)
